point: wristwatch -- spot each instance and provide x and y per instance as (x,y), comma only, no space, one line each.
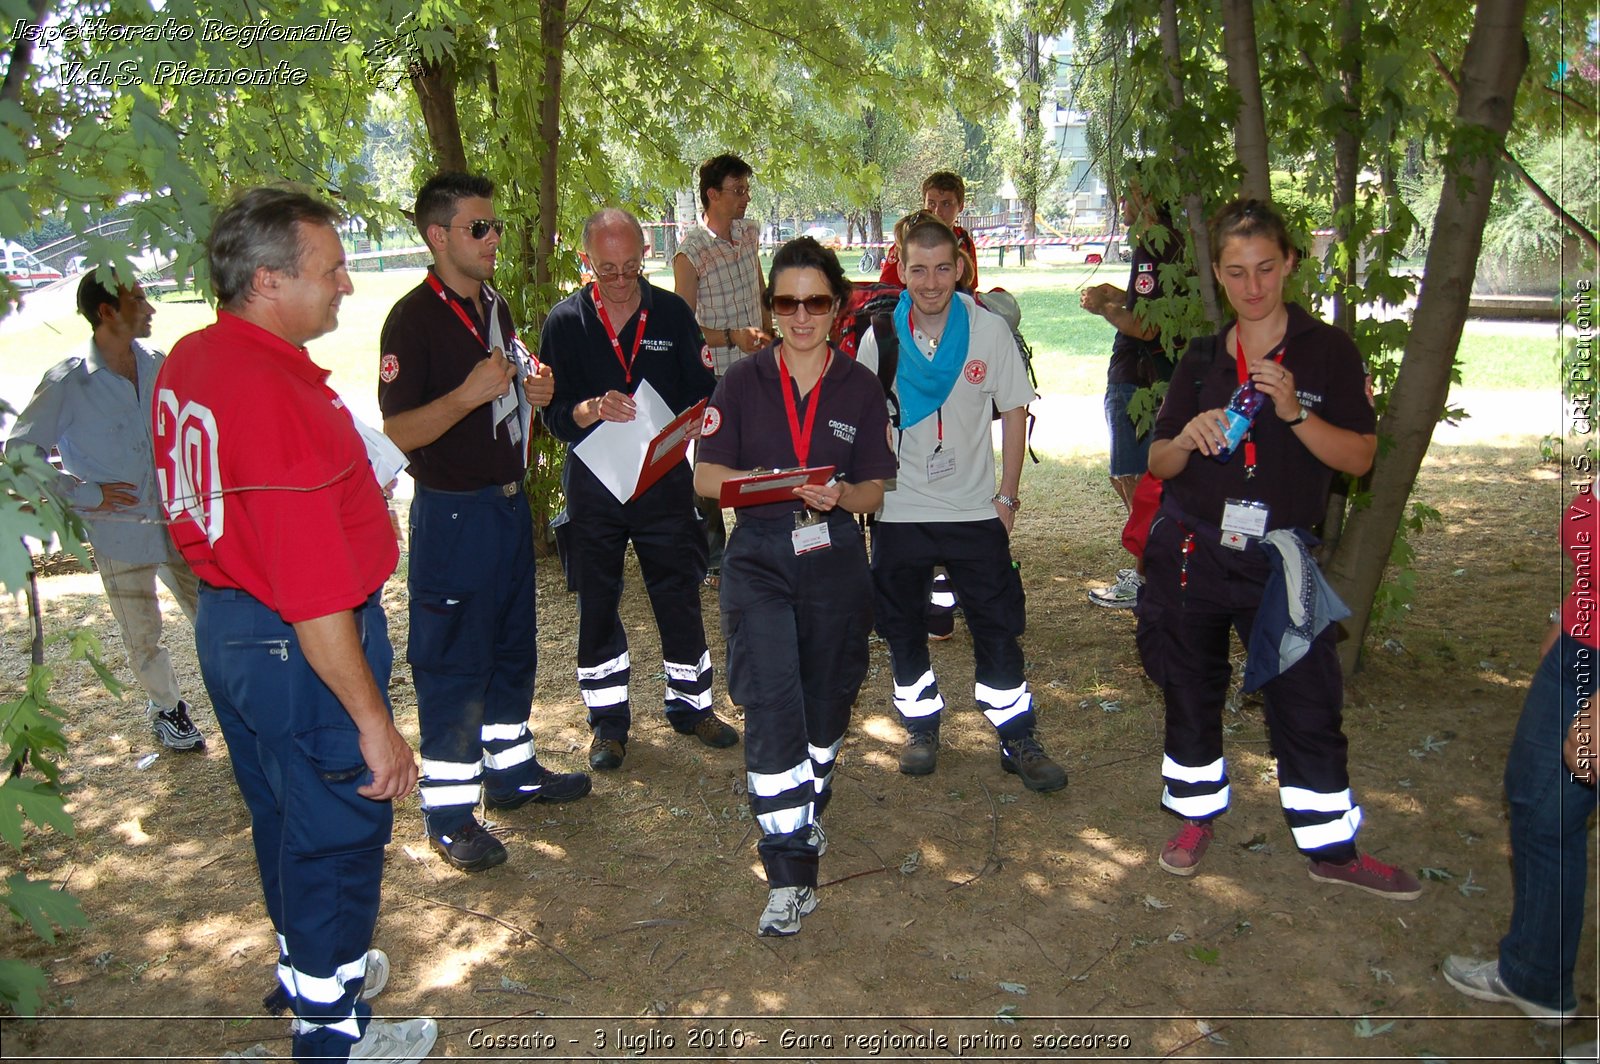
(1300,420)
(1009,502)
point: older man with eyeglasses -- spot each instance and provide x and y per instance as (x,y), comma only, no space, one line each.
(457,389)
(603,342)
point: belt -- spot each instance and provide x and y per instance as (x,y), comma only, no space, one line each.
(501,490)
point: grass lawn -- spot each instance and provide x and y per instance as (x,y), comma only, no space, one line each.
(1070,345)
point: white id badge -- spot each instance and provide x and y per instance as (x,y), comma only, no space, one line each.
(1243,519)
(940,465)
(808,538)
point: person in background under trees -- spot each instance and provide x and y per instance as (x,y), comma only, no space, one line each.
(717,271)
(94,408)
(1140,356)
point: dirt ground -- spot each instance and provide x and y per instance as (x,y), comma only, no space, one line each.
(961,916)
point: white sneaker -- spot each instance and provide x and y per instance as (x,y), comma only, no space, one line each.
(819,839)
(377,974)
(1481,980)
(785,907)
(1123,595)
(1584,1053)
(402,1042)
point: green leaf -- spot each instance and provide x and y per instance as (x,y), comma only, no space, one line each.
(1204,954)
(42,907)
(20,986)
(24,799)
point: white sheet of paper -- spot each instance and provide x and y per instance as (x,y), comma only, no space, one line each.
(387,459)
(616,450)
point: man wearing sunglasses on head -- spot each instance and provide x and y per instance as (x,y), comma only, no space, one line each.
(603,341)
(717,271)
(457,389)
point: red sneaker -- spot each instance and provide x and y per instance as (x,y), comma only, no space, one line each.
(1181,855)
(1368,873)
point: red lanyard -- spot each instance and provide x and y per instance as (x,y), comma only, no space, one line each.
(488,304)
(438,288)
(1244,375)
(801,437)
(611,334)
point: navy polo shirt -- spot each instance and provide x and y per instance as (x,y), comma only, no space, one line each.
(1144,283)
(746,425)
(1330,380)
(427,353)
(574,344)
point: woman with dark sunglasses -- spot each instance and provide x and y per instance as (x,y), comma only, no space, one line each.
(796,590)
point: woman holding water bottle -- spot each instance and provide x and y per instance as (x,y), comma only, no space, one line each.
(1256,421)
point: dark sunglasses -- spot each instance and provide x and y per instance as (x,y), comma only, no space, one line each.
(479,227)
(816,306)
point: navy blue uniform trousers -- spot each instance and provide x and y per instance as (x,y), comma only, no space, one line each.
(796,628)
(671,549)
(473,648)
(1183,636)
(976,556)
(297,758)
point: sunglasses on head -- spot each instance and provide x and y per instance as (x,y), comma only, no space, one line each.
(816,306)
(479,227)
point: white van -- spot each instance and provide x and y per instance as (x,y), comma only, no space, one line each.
(23,269)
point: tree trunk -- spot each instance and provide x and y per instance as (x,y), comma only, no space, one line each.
(875,223)
(1347,155)
(1031,164)
(552,46)
(22,58)
(1496,56)
(1347,137)
(1244,74)
(435,83)
(1193,207)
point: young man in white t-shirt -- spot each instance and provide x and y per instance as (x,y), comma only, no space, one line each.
(955,364)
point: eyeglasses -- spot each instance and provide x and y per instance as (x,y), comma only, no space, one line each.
(610,273)
(736,190)
(816,306)
(479,227)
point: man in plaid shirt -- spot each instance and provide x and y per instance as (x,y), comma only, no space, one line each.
(717,271)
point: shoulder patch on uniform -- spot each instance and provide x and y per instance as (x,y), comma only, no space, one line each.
(389,367)
(711,422)
(1145,283)
(976,371)
(705,357)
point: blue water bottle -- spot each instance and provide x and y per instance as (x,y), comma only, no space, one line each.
(1242,410)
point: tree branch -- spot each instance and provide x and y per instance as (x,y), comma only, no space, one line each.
(1582,105)
(1571,224)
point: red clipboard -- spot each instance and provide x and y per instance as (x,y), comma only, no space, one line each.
(777,486)
(668,448)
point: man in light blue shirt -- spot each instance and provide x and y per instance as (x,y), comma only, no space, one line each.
(94,408)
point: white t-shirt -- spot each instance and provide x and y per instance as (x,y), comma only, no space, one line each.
(994,372)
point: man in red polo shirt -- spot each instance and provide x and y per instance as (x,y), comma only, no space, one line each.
(272,502)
